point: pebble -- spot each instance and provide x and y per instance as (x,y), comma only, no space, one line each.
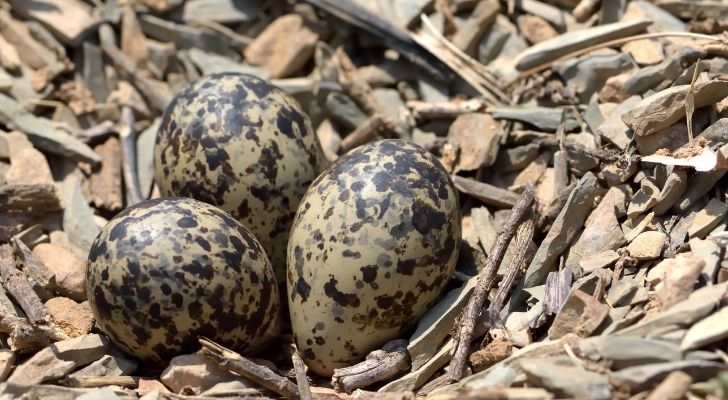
(284,46)
(647,245)
(566,381)
(72,318)
(69,270)
(195,374)
(708,218)
(581,314)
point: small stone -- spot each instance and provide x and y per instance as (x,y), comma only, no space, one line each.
(27,165)
(7,361)
(535,29)
(478,136)
(587,74)
(581,314)
(643,377)
(495,351)
(69,270)
(150,385)
(644,199)
(666,107)
(673,387)
(673,189)
(60,358)
(621,292)
(107,365)
(517,327)
(516,158)
(678,280)
(194,373)
(647,245)
(708,218)
(598,261)
(566,381)
(710,329)
(284,46)
(72,318)
(645,51)
(613,128)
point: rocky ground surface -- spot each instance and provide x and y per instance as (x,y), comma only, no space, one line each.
(588,140)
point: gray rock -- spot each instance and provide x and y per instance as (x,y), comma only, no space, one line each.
(104,393)
(622,292)
(210,63)
(644,199)
(663,20)
(706,331)
(60,358)
(643,377)
(699,304)
(566,381)
(78,217)
(44,134)
(186,36)
(581,314)
(107,365)
(625,352)
(544,118)
(567,224)
(566,43)
(673,189)
(222,11)
(495,38)
(649,77)
(93,71)
(717,133)
(488,194)
(587,74)
(711,253)
(613,129)
(390,100)
(342,109)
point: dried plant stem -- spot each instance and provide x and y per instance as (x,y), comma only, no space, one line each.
(363,133)
(379,365)
(524,236)
(304,390)
(486,278)
(16,283)
(240,365)
(128,151)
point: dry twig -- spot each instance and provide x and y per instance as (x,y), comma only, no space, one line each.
(304,390)
(240,365)
(486,278)
(379,365)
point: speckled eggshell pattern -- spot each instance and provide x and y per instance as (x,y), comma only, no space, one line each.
(166,271)
(374,242)
(241,144)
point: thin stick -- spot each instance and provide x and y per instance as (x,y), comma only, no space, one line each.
(546,65)
(690,102)
(304,390)
(259,374)
(128,151)
(524,235)
(363,133)
(379,365)
(485,283)
(100,381)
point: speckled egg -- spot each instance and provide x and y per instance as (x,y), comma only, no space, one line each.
(241,144)
(166,271)
(373,244)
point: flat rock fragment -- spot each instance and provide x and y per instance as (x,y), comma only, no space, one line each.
(587,74)
(647,245)
(70,20)
(672,190)
(478,136)
(567,224)
(544,118)
(708,218)
(710,329)
(488,194)
(284,46)
(625,352)
(581,314)
(666,107)
(643,377)
(673,387)
(575,40)
(566,381)
(60,358)
(613,128)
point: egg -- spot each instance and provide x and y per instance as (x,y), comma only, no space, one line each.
(245,146)
(373,244)
(166,271)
